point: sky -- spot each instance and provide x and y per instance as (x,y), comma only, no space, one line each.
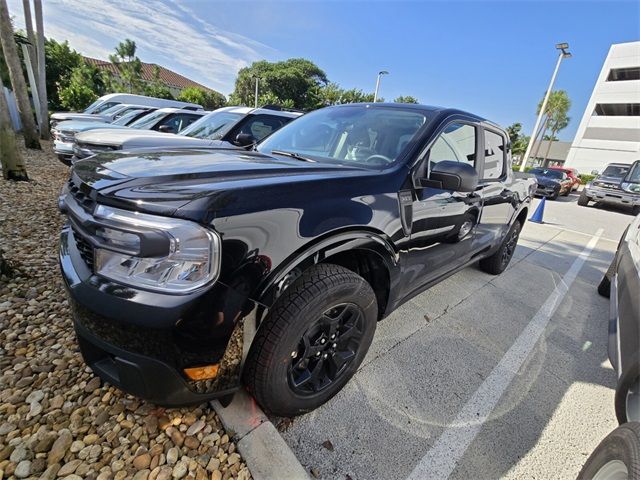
(492,58)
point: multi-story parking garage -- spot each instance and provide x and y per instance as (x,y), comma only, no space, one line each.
(610,127)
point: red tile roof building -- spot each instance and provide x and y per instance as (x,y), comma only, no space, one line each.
(174,81)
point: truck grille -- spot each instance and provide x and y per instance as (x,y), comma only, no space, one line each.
(84,200)
(84,248)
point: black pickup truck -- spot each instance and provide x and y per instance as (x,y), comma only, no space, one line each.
(190,271)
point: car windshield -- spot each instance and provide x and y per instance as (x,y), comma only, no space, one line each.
(148,121)
(547,172)
(212,126)
(616,171)
(112,110)
(371,137)
(127,117)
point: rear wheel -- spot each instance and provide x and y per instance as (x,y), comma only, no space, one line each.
(312,341)
(617,457)
(498,262)
(583,199)
(635,209)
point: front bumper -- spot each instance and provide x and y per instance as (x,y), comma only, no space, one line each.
(543,191)
(612,196)
(64,151)
(142,341)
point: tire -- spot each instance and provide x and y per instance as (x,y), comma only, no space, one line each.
(604,288)
(619,450)
(554,196)
(567,192)
(583,200)
(498,262)
(635,210)
(279,359)
(627,399)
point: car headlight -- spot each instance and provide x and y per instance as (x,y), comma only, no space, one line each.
(630,187)
(156,253)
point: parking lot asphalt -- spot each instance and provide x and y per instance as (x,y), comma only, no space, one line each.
(484,376)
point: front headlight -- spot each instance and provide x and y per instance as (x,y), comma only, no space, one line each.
(155,253)
(630,187)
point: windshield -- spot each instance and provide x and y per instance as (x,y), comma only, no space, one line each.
(111,110)
(356,134)
(616,171)
(127,117)
(546,172)
(212,126)
(90,108)
(148,121)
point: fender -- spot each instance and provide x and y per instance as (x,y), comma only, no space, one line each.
(333,243)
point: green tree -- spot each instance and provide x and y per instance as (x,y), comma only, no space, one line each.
(296,79)
(156,88)
(210,100)
(518,141)
(60,60)
(129,68)
(406,99)
(555,117)
(86,83)
(333,94)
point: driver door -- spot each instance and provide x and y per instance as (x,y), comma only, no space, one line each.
(443,221)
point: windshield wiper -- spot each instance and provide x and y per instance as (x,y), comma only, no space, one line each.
(295,155)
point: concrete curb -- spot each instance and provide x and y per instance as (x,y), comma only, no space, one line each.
(263,449)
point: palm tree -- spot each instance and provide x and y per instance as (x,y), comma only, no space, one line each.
(555,118)
(12,60)
(12,164)
(42,77)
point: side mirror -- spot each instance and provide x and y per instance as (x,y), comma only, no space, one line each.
(456,176)
(244,139)
(166,129)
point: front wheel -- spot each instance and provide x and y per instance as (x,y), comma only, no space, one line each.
(617,457)
(312,341)
(498,262)
(583,199)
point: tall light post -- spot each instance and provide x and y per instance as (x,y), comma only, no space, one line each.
(563,47)
(375,95)
(256,99)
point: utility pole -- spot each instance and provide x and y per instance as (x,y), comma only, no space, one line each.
(563,47)
(375,95)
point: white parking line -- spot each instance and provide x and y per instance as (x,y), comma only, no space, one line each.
(442,459)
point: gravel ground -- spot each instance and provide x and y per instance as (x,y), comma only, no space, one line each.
(57,420)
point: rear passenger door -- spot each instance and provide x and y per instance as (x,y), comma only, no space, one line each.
(497,199)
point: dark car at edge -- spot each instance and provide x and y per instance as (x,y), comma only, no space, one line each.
(191,271)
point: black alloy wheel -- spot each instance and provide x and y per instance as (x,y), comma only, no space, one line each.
(326,349)
(511,242)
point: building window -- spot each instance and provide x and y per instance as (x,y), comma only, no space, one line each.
(617,109)
(621,74)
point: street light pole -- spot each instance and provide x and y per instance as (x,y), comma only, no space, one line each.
(563,47)
(256,99)
(375,95)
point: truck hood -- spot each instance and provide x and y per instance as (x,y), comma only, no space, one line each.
(127,139)
(611,182)
(61,116)
(80,126)
(199,185)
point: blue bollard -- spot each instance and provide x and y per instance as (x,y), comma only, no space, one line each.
(537,215)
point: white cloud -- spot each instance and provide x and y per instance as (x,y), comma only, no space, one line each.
(171,35)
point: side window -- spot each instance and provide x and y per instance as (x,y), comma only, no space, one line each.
(259,126)
(177,121)
(456,143)
(494,153)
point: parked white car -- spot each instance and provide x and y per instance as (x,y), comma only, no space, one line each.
(107,101)
(164,122)
(225,127)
